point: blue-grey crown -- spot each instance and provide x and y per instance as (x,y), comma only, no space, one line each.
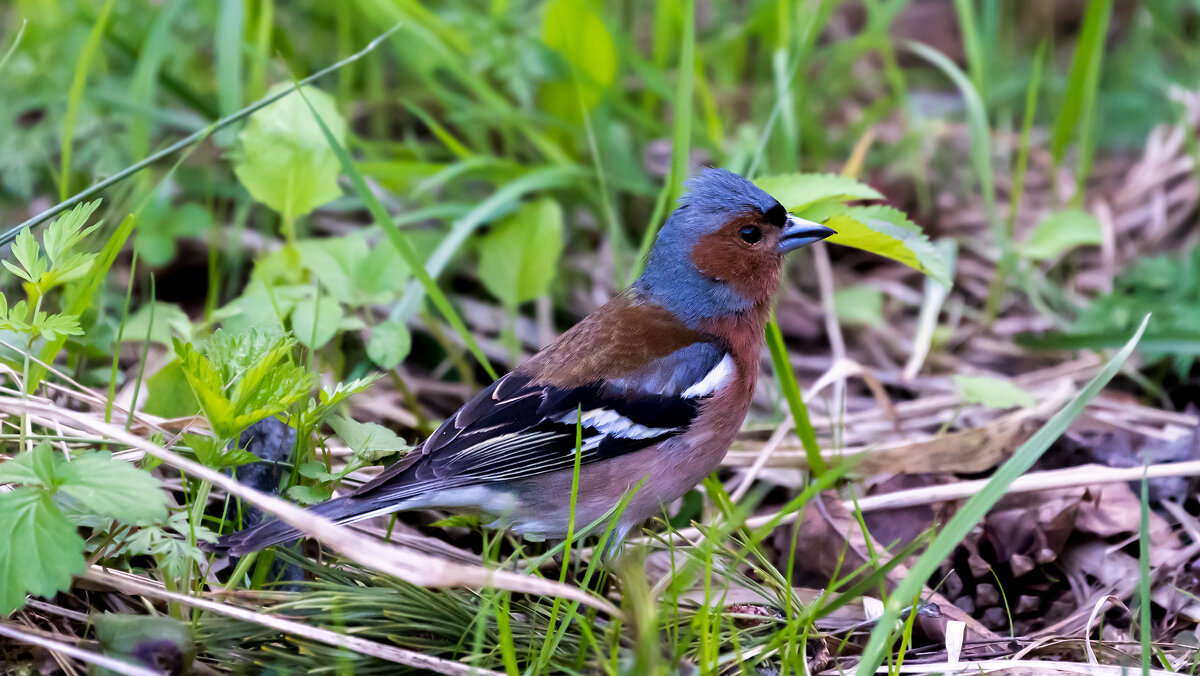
(713,196)
(722,192)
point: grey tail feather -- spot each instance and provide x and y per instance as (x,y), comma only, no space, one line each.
(272,532)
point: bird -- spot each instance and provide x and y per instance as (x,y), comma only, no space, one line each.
(656,383)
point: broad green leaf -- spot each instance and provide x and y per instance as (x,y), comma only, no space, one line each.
(1062,232)
(113,488)
(992,392)
(797,191)
(285,162)
(39,548)
(519,257)
(35,467)
(389,343)
(886,232)
(316,322)
(368,440)
(859,305)
(169,321)
(574,30)
(168,394)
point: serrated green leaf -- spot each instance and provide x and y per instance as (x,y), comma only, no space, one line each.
(28,256)
(797,191)
(369,441)
(212,453)
(113,488)
(1061,232)
(39,548)
(34,468)
(389,344)
(67,231)
(207,386)
(53,326)
(519,257)
(992,392)
(285,162)
(886,232)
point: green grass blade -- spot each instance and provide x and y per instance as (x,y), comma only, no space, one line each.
(791,392)
(13,47)
(681,137)
(399,240)
(1000,280)
(1083,78)
(976,63)
(981,139)
(75,94)
(231,29)
(977,507)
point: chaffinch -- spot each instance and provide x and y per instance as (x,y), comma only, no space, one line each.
(660,380)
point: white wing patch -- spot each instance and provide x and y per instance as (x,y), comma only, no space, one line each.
(721,374)
(610,423)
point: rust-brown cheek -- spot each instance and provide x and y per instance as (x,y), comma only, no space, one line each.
(752,271)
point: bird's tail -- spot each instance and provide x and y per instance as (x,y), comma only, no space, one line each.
(272,531)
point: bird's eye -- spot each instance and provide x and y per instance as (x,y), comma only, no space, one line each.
(750,234)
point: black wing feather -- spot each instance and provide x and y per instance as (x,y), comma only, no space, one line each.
(516,428)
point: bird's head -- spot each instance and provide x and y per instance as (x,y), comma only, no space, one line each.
(721,251)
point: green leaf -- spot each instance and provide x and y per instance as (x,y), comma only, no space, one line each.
(39,548)
(212,453)
(240,379)
(368,440)
(886,232)
(168,394)
(315,322)
(310,495)
(797,191)
(29,258)
(1062,232)
(67,231)
(519,258)
(113,488)
(285,162)
(53,326)
(207,386)
(35,468)
(389,344)
(992,392)
(859,305)
(574,30)
(169,321)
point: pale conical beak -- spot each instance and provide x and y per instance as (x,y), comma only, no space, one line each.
(798,232)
